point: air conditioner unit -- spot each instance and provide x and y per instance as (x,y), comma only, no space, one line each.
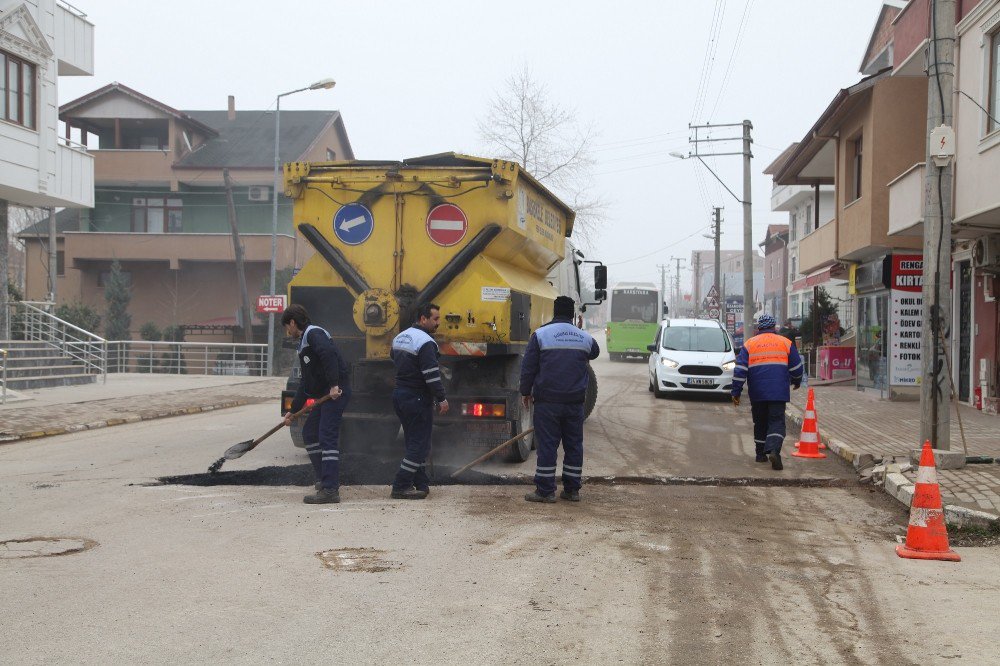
(986,253)
(259,193)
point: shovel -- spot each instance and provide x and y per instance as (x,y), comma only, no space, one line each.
(237,450)
(491,452)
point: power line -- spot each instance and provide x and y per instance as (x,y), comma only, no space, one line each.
(709,60)
(740,32)
(665,247)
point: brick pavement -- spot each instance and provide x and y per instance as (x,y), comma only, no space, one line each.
(889,430)
(90,407)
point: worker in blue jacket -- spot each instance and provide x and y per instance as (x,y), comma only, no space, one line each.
(770,362)
(418,388)
(324,372)
(554,377)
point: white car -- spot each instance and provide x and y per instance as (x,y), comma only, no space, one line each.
(691,355)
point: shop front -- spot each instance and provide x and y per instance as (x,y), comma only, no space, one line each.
(888,294)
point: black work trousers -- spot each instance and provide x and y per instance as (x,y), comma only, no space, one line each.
(768,425)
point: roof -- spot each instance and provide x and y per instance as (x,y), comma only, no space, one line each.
(248,140)
(780,160)
(696,323)
(118,88)
(774,230)
(814,140)
(66,220)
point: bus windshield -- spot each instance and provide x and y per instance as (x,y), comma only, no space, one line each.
(634,304)
(695,338)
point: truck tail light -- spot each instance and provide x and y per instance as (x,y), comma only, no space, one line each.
(484,409)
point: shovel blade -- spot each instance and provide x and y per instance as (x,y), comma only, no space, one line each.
(237,450)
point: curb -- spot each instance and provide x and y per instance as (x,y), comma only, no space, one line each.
(896,485)
(10,438)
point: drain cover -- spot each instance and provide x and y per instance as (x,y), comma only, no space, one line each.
(14,549)
(364,560)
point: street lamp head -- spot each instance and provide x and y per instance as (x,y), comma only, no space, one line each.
(678,155)
(323,84)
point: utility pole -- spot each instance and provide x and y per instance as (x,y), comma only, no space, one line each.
(748,300)
(717,234)
(53,256)
(245,317)
(663,288)
(935,391)
(677,285)
(4,249)
(697,284)
(747,141)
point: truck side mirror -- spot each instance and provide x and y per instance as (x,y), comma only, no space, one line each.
(600,277)
(600,295)
(666,309)
(651,348)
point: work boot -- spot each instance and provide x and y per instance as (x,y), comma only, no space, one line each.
(571,495)
(408,494)
(775,459)
(319,485)
(761,458)
(536,497)
(425,491)
(323,496)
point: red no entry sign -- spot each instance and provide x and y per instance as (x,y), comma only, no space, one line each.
(447,224)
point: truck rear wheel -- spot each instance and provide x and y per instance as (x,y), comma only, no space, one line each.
(519,451)
(591,398)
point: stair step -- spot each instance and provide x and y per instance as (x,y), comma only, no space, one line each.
(46,370)
(50,381)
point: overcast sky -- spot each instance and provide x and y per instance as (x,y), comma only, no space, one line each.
(412,79)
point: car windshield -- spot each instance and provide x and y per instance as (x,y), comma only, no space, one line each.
(695,338)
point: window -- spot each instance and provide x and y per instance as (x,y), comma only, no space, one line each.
(330,155)
(60,263)
(18,98)
(695,338)
(794,226)
(810,223)
(854,168)
(793,272)
(993,102)
(157,215)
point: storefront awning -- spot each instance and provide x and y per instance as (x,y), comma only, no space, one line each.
(820,277)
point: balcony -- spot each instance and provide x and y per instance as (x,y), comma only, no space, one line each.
(788,197)
(139,167)
(172,249)
(74,182)
(74,41)
(906,203)
(819,248)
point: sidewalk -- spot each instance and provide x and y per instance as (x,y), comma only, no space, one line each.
(853,424)
(127,398)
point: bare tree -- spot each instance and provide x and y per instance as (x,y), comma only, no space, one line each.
(523,125)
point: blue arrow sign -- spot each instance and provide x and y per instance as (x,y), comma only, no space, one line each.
(353,224)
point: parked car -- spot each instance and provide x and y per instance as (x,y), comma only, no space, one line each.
(691,355)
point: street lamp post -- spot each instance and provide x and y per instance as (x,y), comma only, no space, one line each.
(319,85)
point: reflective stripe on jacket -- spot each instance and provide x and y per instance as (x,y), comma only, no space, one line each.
(770,363)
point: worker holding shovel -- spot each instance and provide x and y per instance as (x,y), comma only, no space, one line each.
(324,372)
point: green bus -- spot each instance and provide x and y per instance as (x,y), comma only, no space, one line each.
(633,315)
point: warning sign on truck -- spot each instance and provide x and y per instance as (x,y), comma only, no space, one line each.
(498,294)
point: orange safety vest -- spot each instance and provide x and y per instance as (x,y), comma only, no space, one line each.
(768,349)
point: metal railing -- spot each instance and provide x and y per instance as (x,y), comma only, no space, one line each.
(39,325)
(34,322)
(193,358)
(3,373)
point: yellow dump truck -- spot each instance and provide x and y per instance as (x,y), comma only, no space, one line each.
(479,237)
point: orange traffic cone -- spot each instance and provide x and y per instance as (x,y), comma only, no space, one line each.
(927,535)
(808,446)
(811,413)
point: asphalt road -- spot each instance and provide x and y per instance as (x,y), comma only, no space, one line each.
(633,574)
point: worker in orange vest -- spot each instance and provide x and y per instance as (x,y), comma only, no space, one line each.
(771,364)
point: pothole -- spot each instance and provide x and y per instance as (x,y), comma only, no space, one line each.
(357,560)
(21,549)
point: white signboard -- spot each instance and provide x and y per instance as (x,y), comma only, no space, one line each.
(497,294)
(906,306)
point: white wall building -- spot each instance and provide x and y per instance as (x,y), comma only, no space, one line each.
(41,40)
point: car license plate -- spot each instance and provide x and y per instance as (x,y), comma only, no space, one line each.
(701,381)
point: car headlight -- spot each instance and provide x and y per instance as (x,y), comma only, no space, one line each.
(667,363)
(731,365)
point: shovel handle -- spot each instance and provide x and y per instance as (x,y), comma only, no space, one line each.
(492,452)
(304,410)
